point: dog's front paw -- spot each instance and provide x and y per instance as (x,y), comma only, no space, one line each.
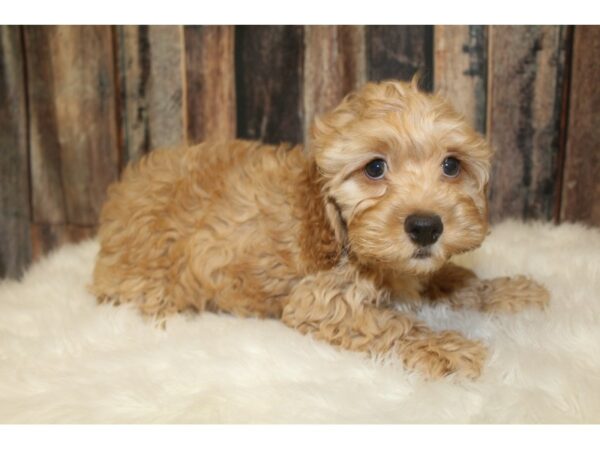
(445,353)
(512,294)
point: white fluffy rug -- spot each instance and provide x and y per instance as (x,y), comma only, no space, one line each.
(63,358)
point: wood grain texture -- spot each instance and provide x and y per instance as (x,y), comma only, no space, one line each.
(77,103)
(15,246)
(524,101)
(581,186)
(151,79)
(334,65)
(46,237)
(210,82)
(73,128)
(460,59)
(269,63)
(399,52)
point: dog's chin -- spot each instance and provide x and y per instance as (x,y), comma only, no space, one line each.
(422,253)
(424,261)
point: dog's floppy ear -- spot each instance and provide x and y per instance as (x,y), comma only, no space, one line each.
(337,221)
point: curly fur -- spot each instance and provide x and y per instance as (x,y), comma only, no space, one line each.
(306,236)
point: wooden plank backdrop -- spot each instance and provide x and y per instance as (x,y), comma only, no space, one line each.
(77,103)
(151,79)
(210,83)
(74,151)
(334,64)
(269,69)
(581,185)
(460,70)
(525,100)
(15,244)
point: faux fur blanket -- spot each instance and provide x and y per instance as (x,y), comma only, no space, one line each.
(63,358)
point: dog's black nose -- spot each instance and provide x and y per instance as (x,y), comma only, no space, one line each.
(423,229)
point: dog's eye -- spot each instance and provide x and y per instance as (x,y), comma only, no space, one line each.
(451,167)
(375,169)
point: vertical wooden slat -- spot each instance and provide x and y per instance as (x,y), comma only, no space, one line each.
(45,237)
(15,247)
(151,80)
(526,65)
(334,64)
(210,82)
(269,82)
(73,129)
(48,198)
(460,59)
(581,186)
(399,52)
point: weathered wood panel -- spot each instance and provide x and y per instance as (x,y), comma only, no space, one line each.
(581,186)
(79,102)
(73,127)
(210,75)
(460,59)
(269,82)
(524,101)
(151,80)
(400,52)
(334,64)
(15,244)
(46,237)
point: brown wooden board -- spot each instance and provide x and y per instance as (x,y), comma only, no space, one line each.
(151,80)
(46,237)
(526,68)
(269,82)
(460,58)
(15,247)
(399,52)
(581,186)
(210,82)
(334,65)
(73,125)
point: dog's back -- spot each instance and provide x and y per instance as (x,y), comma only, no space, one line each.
(216,226)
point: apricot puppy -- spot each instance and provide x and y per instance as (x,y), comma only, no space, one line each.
(392,185)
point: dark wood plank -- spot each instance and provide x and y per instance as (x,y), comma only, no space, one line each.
(151,80)
(73,126)
(15,247)
(399,52)
(460,60)
(269,82)
(524,107)
(210,82)
(45,238)
(334,64)
(581,186)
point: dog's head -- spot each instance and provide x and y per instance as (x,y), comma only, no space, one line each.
(404,177)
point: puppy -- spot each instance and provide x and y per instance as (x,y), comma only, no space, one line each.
(392,185)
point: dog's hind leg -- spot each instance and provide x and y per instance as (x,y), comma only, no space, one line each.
(460,287)
(345,312)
